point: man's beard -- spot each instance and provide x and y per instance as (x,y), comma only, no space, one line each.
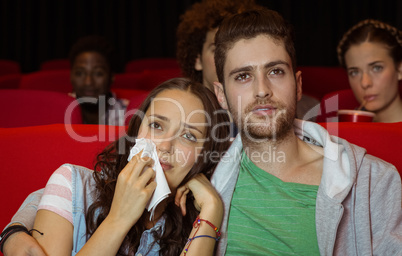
(258,128)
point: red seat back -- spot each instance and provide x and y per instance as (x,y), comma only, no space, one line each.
(11,81)
(343,99)
(29,155)
(130,81)
(49,80)
(135,102)
(140,65)
(145,80)
(55,64)
(32,107)
(332,102)
(9,67)
(155,77)
(318,81)
(127,93)
(380,139)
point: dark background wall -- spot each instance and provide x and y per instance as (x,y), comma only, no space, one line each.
(33,31)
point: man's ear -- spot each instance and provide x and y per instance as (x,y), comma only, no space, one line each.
(198,63)
(220,95)
(299,91)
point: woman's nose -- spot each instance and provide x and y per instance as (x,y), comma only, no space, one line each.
(165,145)
(366,81)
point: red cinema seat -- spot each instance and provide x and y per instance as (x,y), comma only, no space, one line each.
(139,65)
(29,155)
(129,81)
(127,93)
(49,80)
(379,139)
(155,77)
(146,80)
(343,99)
(33,107)
(55,64)
(332,102)
(9,67)
(135,102)
(11,81)
(318,81)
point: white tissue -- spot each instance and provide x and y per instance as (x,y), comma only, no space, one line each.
(162,190)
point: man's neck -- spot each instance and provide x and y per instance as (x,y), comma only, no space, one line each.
(290,159)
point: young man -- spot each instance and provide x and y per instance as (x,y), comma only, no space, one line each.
(287,186)
(92,61)
(196,47)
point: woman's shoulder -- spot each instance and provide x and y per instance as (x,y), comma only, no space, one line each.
(72,171)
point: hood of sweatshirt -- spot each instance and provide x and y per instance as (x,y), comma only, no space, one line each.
(341,158)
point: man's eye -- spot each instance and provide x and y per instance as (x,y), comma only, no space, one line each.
(242,77)
(99,74)
(78,73)
(277,71)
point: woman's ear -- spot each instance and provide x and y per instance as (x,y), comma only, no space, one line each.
(198,63)
(400,71)
(220,95)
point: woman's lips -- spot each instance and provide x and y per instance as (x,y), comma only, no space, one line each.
(165,166)
(368,98)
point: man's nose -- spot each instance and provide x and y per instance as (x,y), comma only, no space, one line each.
(262,87)
(88,79)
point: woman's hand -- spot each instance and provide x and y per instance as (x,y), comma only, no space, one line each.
(22,244)
(134,189)
(207,200)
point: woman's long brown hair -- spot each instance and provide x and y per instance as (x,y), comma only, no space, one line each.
(114,158)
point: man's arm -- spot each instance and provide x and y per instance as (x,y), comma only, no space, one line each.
(27,212)
(385,204)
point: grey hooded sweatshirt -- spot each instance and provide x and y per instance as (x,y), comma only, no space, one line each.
(358,205)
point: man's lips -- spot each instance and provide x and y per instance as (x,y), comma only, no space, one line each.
(263,109)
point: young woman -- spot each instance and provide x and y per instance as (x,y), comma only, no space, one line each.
(103,212)
(371,52)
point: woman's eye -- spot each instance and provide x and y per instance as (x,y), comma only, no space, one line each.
(190,137)
(377,68)
(155,125)
(353,73)
(276,71)
(242,77)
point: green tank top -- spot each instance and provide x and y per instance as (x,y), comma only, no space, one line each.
(271,217)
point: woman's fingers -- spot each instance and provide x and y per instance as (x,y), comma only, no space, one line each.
(137,163)
(181,198)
